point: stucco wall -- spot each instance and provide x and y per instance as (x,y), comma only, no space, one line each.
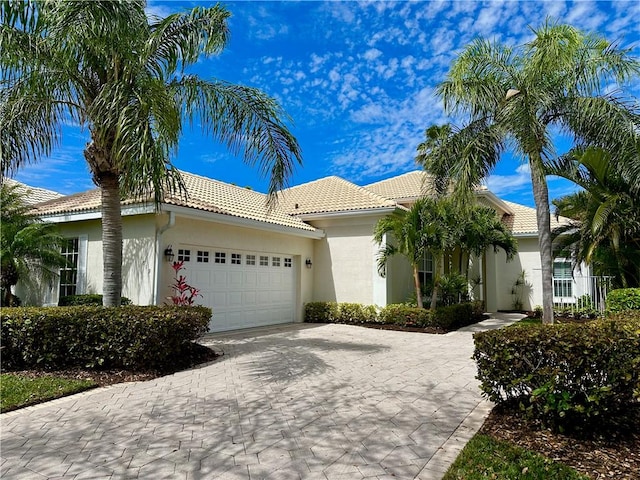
(138,234)
(502,275)
(345,267)
(193,232)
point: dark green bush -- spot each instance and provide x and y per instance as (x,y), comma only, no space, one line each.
(321,312)
(87,299)
(332,312)
(623,299)
(405,316)
(356,313)
(453,317)
(130,337)
(569,376)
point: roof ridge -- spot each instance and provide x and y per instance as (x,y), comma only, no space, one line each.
(317,180)
(398,176)
(220,182)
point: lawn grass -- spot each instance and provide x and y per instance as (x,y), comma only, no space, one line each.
(17,391)
(486,458)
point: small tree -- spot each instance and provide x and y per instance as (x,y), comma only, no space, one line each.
(29,248)
(183,293)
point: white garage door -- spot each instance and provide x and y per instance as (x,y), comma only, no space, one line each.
(244,289)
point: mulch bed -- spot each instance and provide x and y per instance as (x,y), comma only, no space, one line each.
(195,355)
(382,326)
(614,456)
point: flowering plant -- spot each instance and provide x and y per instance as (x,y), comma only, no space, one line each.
(184,294)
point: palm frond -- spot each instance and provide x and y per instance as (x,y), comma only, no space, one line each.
(248,121)
(180,39)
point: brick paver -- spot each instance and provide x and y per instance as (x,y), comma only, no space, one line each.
(323,402)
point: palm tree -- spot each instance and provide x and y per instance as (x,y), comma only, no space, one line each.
(519,96)
(429,226)
(123,77)
(605,232)
(482,229)
(406,228)
(29,249)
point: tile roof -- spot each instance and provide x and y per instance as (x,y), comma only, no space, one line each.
(331,194)
(32,195)
(203,194)
(326,195)
(409,185)
(524,220)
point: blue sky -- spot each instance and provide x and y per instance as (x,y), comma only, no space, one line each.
(357,79)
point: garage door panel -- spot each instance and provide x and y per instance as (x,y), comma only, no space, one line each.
(234,279)
(249,298)
(234,299)
(250,279)
(219,278)
(247,290)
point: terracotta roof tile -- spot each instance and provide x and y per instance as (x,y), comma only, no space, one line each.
(524,219)
(331,194)
(32,195)
(203,194)
(408,185)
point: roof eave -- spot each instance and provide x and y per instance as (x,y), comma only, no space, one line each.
(349,213)
(242,222)
(95,213)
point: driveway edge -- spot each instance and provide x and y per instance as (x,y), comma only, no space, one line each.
(449,451)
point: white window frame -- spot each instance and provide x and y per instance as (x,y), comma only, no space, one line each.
(52,294)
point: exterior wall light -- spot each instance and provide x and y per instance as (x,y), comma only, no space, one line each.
(168,254)
(308,263)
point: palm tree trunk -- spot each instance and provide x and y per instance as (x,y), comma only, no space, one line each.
(543,215)
(436,275)
(416,281)
(111,240)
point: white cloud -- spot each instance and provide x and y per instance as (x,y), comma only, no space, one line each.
(372,54)
(508,184)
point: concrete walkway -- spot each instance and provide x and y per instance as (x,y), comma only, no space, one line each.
(295,402)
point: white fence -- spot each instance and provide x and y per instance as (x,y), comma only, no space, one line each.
(581,292)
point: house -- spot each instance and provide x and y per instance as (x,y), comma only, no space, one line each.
(258,265)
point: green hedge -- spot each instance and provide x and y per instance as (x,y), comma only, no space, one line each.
(333,312)
(623,299)
(87,299)
(447,318)
(453,317)
(570,376)
(131,337)
(405,316)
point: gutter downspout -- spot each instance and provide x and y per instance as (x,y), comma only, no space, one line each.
(158,253)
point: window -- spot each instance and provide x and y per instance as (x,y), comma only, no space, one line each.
(425,269)
(202,257)
(220,257)
(275,262)
(236,259)
(69,273)
(264,261)
(287,262)
(184,255)
(562,279)
(250,259)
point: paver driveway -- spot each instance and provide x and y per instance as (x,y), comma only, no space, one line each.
(303,401)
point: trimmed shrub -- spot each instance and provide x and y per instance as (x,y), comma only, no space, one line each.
(321,312)
(623,299)
(453,317)
(332,312)
(87,299)
(569,376)
(131,337)
(356,313)
(405,316)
